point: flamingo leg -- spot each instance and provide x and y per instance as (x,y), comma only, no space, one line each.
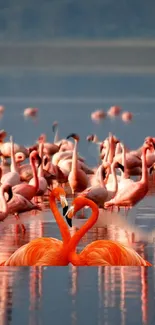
(19,225)
(126,210)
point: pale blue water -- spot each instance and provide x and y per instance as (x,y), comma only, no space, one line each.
(70,295)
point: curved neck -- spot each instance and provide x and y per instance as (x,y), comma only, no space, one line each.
(144,178)
(35,176)
(74,159)
(105,159)
(40,169)
(56,135)
(4,203)
(118,149)
(111,150)
(82,231)
(13,166)
(124,163)
(60,221)
(115,182)
(99,175)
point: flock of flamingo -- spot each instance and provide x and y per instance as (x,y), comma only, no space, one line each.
(56,170)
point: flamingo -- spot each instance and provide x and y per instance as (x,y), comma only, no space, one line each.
(12,178)
(49,148)
(124,180)
(42,181)
(132,193)
(27,190)
(99,252)
(4,208)
(77,178)
(19,204)
(5,149)
(101,194)
(45,251)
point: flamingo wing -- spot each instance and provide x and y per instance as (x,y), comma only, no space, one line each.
(107,252)
(20,204)
(40,251)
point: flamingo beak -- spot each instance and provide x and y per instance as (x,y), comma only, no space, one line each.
(69,215)
(151,169)
(74,136)
(120,166)
(64,204)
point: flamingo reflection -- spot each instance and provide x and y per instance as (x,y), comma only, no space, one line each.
(112,280)
(6,283)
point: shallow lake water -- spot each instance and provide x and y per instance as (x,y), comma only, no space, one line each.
(71,295)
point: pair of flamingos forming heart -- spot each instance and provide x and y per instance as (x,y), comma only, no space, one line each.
(54,252)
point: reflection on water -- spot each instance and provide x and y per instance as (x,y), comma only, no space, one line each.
(75,295)
(71,295)
(100,295)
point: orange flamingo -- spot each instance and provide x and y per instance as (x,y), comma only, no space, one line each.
(99,252)
(45,251)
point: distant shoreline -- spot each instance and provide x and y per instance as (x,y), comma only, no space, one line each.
(121,56)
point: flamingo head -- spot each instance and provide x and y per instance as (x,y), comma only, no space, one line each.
(42,138)
(77,204)
(54,126)
(8,190)
(149,141)
(60,195)
(90,138)
(34,157)
(74,136)
(19,157)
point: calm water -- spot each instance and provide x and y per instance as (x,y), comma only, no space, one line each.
(118,295)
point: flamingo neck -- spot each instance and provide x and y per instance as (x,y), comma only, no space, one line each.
(75,159)
(115,182)
(100,176)
(60,221)
(40,169)
(81,232)
(106,153)
(111,151)
(56,136)
(13,166)
(35,176)
(124,163)
(144,178)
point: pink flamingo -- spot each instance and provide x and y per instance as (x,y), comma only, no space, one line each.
(19,204)
(49,148)
(26,190)
(103,193)
(5,149)
(4,208)
(114,111)
(11,178)
(124,180)
(42,181)
(98,115)
(77,178)
(127,116)
(131,194)
(60,177)
(30,112)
